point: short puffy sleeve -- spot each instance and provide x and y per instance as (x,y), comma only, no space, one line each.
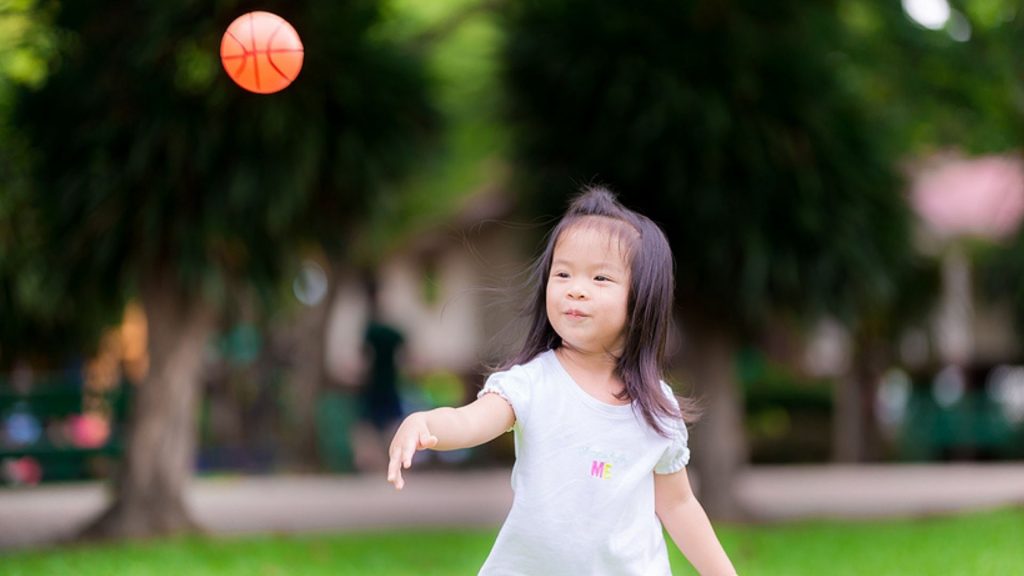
(677,455)
(514,386)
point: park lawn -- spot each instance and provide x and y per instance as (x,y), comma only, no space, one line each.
(977,544)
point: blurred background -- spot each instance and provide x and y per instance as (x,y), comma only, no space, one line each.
(199,282)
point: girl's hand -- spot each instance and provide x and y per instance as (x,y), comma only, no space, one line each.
(411,436)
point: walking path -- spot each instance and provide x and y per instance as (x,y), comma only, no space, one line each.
(44,515)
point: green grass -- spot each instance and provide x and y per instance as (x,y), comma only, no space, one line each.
(979,544)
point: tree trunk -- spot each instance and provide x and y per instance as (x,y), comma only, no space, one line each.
(847,418)
(877,359)
(855,436)
(149,491)
(718,440)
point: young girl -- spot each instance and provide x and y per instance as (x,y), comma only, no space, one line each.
(601,445)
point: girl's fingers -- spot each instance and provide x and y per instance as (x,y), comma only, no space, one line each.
(427,440)
(401,455)
(395,473)
(395,469)
(397,458)
(408,450)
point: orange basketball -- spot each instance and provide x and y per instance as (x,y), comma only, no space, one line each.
(261,52)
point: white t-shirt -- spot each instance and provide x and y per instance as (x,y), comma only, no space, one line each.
(583,479)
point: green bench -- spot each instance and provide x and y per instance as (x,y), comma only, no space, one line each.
(53,403)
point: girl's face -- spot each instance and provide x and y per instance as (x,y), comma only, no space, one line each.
(588,290)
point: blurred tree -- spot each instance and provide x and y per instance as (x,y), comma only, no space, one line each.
(35,319)
(875,330)
(157,177)
(725,123)
(460,40)
(27,42)
(955,85)
(993,112)
(457,42)
(1000,268)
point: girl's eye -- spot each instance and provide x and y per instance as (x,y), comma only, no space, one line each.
(601,278)
(561,275)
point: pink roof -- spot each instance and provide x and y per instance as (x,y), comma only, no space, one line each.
(958,196)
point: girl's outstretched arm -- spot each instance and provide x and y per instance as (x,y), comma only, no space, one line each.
(684,518)
(448,429)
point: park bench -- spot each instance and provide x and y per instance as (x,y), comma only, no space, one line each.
(59,428)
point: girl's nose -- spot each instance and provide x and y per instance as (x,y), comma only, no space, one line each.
(576,293)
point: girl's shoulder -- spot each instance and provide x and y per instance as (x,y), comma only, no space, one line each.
(518,385)
(530,370)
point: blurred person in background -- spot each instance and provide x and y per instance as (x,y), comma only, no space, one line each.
(380,407)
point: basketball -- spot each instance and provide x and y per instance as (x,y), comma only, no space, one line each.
(261,52)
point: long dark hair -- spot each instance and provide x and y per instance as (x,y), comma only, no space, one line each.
(649,317)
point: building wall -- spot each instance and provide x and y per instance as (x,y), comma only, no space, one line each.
(450,300)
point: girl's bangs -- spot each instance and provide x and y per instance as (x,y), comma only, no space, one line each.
(615,229)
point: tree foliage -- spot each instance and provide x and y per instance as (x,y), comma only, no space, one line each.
(1000,269)
(33,319)
(149,158)
(959,86)
(153,175)
(729,125)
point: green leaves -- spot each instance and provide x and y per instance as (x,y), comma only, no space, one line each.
(149,160)
(727,124)
(929,91)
